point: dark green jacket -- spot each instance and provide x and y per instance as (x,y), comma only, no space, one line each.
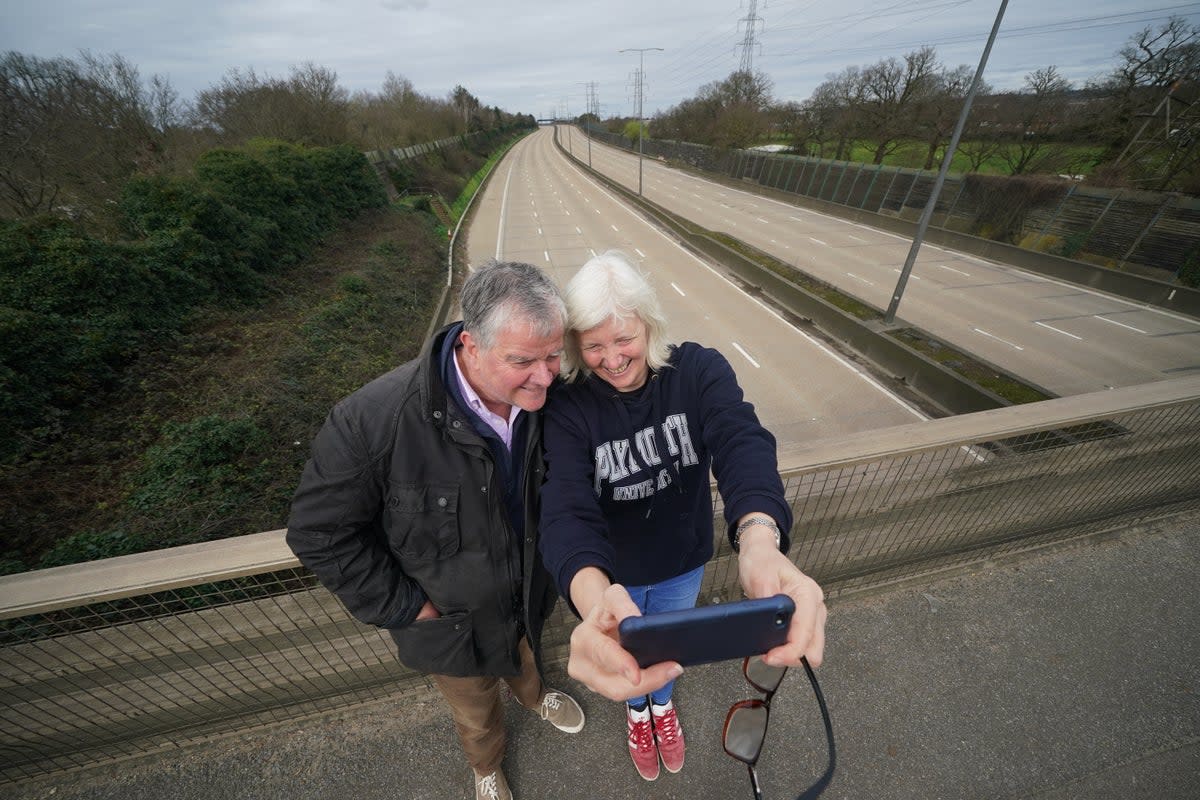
(402,501)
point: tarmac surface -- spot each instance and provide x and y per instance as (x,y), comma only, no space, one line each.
(1072,672)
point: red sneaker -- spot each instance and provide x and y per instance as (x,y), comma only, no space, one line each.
(641,743)
(669,736)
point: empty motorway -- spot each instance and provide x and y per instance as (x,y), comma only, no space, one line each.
(1062,336)
(540,208)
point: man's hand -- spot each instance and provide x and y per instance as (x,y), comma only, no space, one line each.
(428,611)
(599,662)
(764,571)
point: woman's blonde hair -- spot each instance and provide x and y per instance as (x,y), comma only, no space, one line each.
(609,287)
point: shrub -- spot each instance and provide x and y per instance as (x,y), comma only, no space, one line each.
(209,461)
(1189,273)
(74,308)
(91,545)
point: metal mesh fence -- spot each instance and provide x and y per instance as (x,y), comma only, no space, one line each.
(120,677)
(1156,232)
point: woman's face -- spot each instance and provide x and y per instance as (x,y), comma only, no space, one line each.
(616,351)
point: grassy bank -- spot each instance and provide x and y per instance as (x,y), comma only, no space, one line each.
(206,437)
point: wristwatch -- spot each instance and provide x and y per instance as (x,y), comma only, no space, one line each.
(737,534)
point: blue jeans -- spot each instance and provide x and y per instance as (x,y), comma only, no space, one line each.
(669,595)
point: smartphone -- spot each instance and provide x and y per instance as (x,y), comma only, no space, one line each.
(708,633)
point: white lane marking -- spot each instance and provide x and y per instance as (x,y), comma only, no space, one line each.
(816,241)
(1056,330)
(639,252)
(914,277)
(503,205)
(952,269)
(747,355)
(763,221)
(857,239)
(676,288)
(578,231)
(614,227)
(864,280)
(546,255)
(997,338)
(1122,324)
(539,231)
(796,218)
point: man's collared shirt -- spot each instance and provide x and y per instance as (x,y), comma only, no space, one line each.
(503,427)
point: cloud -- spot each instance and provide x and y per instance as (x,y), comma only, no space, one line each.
(405,5)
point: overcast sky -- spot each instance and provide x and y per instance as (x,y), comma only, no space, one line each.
(535,57)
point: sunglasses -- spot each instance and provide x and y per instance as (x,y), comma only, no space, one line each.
(746,723)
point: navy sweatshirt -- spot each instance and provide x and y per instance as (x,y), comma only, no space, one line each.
(627,486)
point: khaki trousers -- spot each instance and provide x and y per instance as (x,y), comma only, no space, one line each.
(479,714)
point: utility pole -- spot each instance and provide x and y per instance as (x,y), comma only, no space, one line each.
(591,109)
(748,43)
(638,84)
(927,214)
(566,115)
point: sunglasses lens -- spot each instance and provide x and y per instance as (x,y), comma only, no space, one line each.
(745,729)
(764,677)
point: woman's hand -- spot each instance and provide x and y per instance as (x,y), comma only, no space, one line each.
(597,659)
(764,571)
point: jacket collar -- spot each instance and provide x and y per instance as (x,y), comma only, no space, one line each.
(434,399)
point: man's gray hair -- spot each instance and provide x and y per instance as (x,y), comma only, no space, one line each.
(503,292)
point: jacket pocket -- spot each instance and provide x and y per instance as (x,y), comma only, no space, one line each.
(443,646)
(422,521)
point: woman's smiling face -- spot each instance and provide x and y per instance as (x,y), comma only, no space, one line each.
(616,351)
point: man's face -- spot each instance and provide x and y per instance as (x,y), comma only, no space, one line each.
(516,371)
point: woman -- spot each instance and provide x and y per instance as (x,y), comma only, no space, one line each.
(630,439)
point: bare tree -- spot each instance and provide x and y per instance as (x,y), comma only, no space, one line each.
(468,106)
(1157,77)
(1041,114)
(833,111)
(309,107)
(890,92)
(937,111)
(74,130)
(734,112)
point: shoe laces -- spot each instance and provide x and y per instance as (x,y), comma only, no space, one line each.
(667,726)
(550,704)
(641,734)
(488,786)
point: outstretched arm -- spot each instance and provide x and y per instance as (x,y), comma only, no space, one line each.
(764,571)
(597,659)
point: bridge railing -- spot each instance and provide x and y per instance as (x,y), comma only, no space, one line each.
(133,654)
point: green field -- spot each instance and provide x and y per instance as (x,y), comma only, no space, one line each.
(911,155)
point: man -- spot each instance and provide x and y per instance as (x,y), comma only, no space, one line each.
(419,508)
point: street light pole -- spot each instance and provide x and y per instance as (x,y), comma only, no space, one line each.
(641,51)
(927,214)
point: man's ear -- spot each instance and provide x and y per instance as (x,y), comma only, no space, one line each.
(470,347)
